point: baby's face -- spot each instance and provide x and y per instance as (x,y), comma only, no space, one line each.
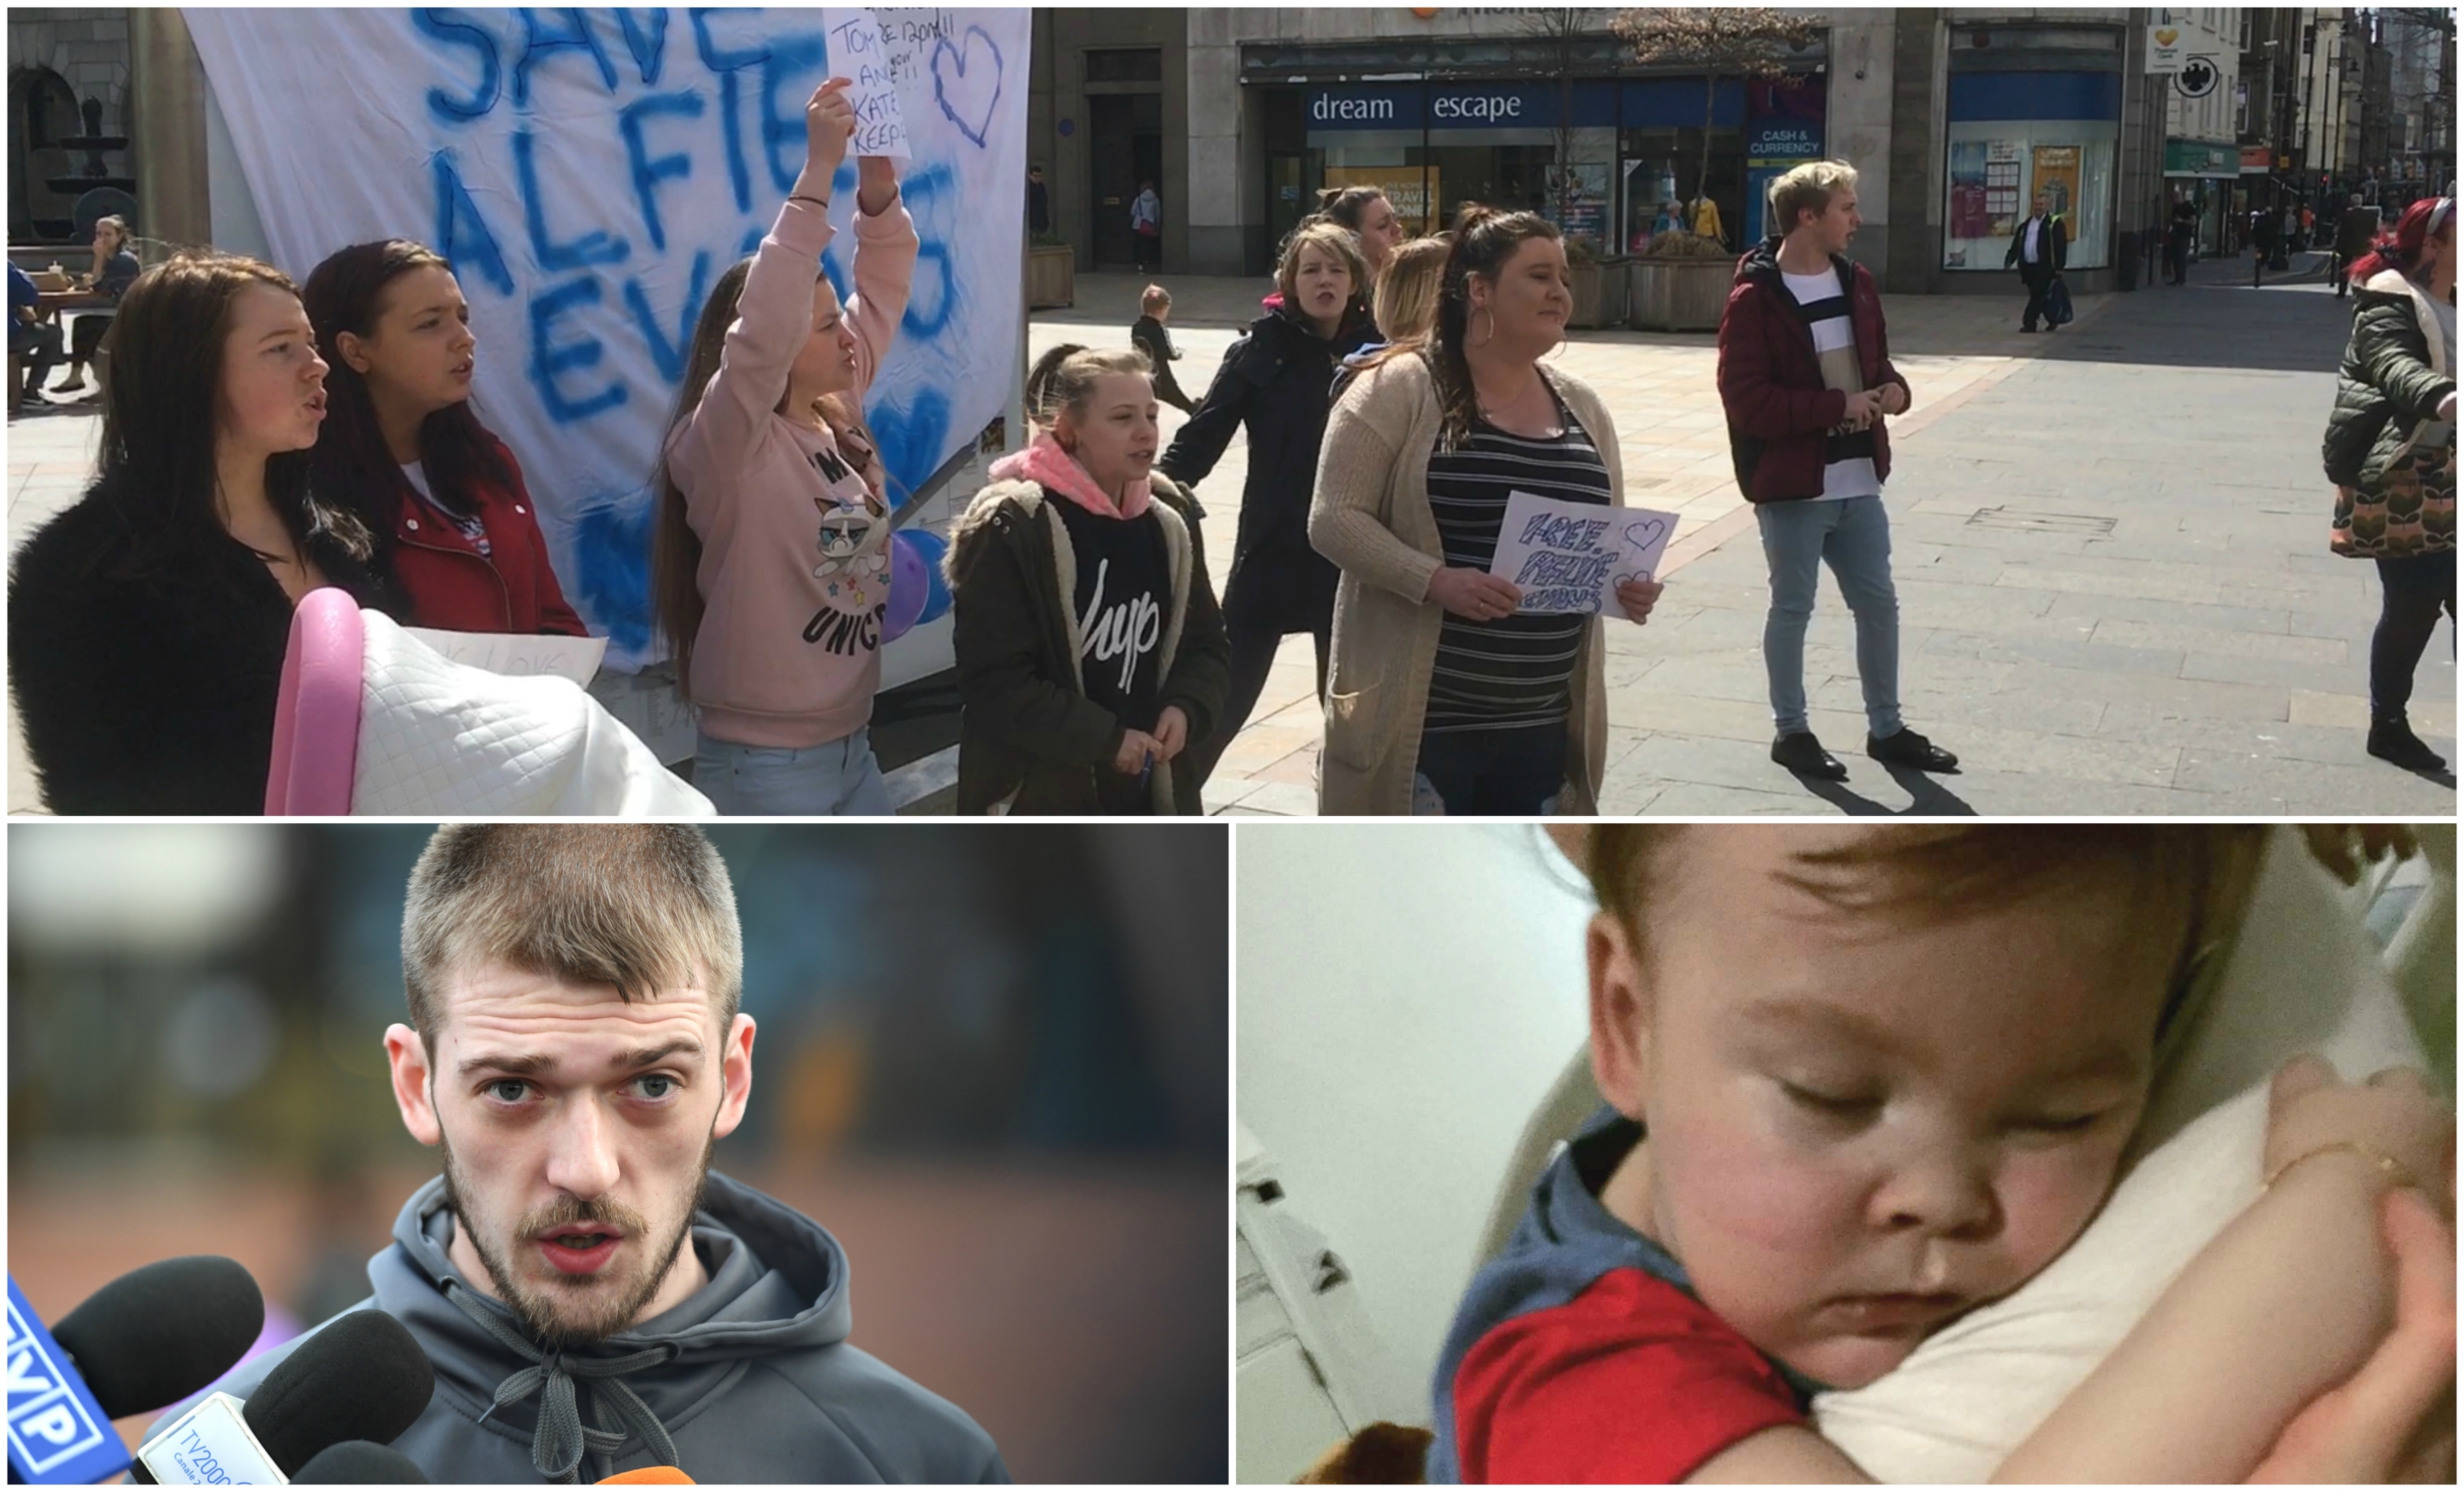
(1865,1121)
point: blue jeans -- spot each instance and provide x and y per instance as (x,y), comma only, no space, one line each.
(837,777)
(1855,536)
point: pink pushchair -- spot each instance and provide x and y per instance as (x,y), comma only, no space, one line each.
(316,717)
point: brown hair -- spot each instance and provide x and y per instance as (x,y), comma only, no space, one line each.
(162,418)
(1484,238)
(1807,188)
(1154,298)
(1930,868)
(1332,238)
(1347,206)
(1064,378)
(642,907)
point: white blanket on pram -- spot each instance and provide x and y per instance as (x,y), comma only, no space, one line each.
(439,737)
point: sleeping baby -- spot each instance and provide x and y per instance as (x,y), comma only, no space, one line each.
(1861,1081)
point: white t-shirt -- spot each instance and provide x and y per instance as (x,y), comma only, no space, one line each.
(1825,309)
(2029,254)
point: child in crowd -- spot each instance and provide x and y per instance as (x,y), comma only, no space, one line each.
(457,533)
(1090,650)
(1155,308)
(776,632)
(1861,1081)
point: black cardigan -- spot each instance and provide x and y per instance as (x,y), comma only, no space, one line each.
(150,694)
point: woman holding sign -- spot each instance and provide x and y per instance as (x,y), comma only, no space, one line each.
(148,623)
(1445,698)
(771,568)
(457,534)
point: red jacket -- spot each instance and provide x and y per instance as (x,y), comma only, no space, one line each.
(441,580)
(1771,381)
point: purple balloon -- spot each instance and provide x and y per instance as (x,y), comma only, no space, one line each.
(911,585)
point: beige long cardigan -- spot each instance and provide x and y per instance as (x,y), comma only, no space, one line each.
(1370,515)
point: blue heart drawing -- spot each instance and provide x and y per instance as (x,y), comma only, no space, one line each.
(968,98)
(1641,536)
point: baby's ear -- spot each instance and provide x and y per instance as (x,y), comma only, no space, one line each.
(1620,1013)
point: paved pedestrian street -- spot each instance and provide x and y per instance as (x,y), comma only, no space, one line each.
(2110,546)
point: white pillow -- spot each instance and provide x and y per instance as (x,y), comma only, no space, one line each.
(2301,977)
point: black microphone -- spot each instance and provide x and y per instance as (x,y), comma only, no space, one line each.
(360,1464)
(361,1377)
(158,1334)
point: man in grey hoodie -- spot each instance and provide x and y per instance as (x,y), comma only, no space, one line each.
(594,1298)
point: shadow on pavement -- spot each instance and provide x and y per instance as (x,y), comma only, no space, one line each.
(1927,797)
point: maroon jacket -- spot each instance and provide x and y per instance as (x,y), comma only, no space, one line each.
(442,580)
(1771,381)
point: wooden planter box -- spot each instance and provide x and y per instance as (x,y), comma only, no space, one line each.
(1052,275)
(1616,292)
(1678,295)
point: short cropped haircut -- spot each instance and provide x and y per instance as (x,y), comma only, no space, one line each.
(1152,299)
(2205,870)
(642,907)
(1807,187)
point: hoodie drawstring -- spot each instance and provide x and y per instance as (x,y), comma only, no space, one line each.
(559,1444)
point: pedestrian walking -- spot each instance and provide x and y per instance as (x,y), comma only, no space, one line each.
(1090,653)
(1039,202)
(1806,382)
(148,622)
(2038,249)
(2390,451)
(2264,241)
(1148,335)
(1278,381)
(1704,215)
(2357,229)
(2179,236)
(1146,226)
(1442,697)
(457,534)
(770,568)
(1404,306)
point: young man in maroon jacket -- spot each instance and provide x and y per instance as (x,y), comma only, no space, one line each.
(1806,378)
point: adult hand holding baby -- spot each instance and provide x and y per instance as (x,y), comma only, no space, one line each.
(2391,1123)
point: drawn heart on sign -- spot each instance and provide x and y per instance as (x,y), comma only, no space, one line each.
(1639,538)
(2166,37)
(967,82)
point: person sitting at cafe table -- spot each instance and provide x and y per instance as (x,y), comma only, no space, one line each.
(31,337)
(115,270)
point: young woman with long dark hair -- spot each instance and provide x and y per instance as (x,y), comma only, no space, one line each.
(457,533)
(1443,699)
(777,633)
(2391,449)
(148,623)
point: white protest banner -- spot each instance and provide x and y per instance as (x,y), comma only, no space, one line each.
(860,54)
(518,653)
(1570,557)
(590,173)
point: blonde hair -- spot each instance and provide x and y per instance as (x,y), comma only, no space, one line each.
(1406,299)
(1332,237)
(1152,297)
(1807,187)
(644,907)
(1064,378)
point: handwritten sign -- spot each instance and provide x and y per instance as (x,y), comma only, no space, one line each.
(518,653)
(860,54)
(1568,557)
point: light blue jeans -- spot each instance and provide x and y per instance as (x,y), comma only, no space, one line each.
(1853,537)
(835,778)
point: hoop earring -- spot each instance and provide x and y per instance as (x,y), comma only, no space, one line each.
(1482,341)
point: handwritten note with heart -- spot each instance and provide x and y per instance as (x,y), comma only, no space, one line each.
(1569,558)
(518,653)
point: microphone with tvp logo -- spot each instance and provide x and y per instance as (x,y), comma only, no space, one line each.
(149,1338)
(361,1377)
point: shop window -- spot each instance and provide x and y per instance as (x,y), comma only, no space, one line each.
(1998,167)
(1125,65)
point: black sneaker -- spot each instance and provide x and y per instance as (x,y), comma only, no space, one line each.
(1906,749)
(1800,753)
(2393,741)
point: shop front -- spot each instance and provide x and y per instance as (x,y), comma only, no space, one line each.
(2205,174)
(2012,135)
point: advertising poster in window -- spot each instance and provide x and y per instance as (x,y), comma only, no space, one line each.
(2002,187)
(1969,218)
(2057,179)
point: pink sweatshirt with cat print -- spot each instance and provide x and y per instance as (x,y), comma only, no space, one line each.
(795,570)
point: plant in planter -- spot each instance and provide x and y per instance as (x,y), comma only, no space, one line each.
(1745,42)
(1051,272)
(1678,284)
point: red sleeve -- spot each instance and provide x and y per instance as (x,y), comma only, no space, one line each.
(1632,1381)
(1755,402)
(554,614)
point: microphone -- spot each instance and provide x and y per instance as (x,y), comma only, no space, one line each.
(149,1338)
(362,1377)
(360,1464)
(647,1474)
